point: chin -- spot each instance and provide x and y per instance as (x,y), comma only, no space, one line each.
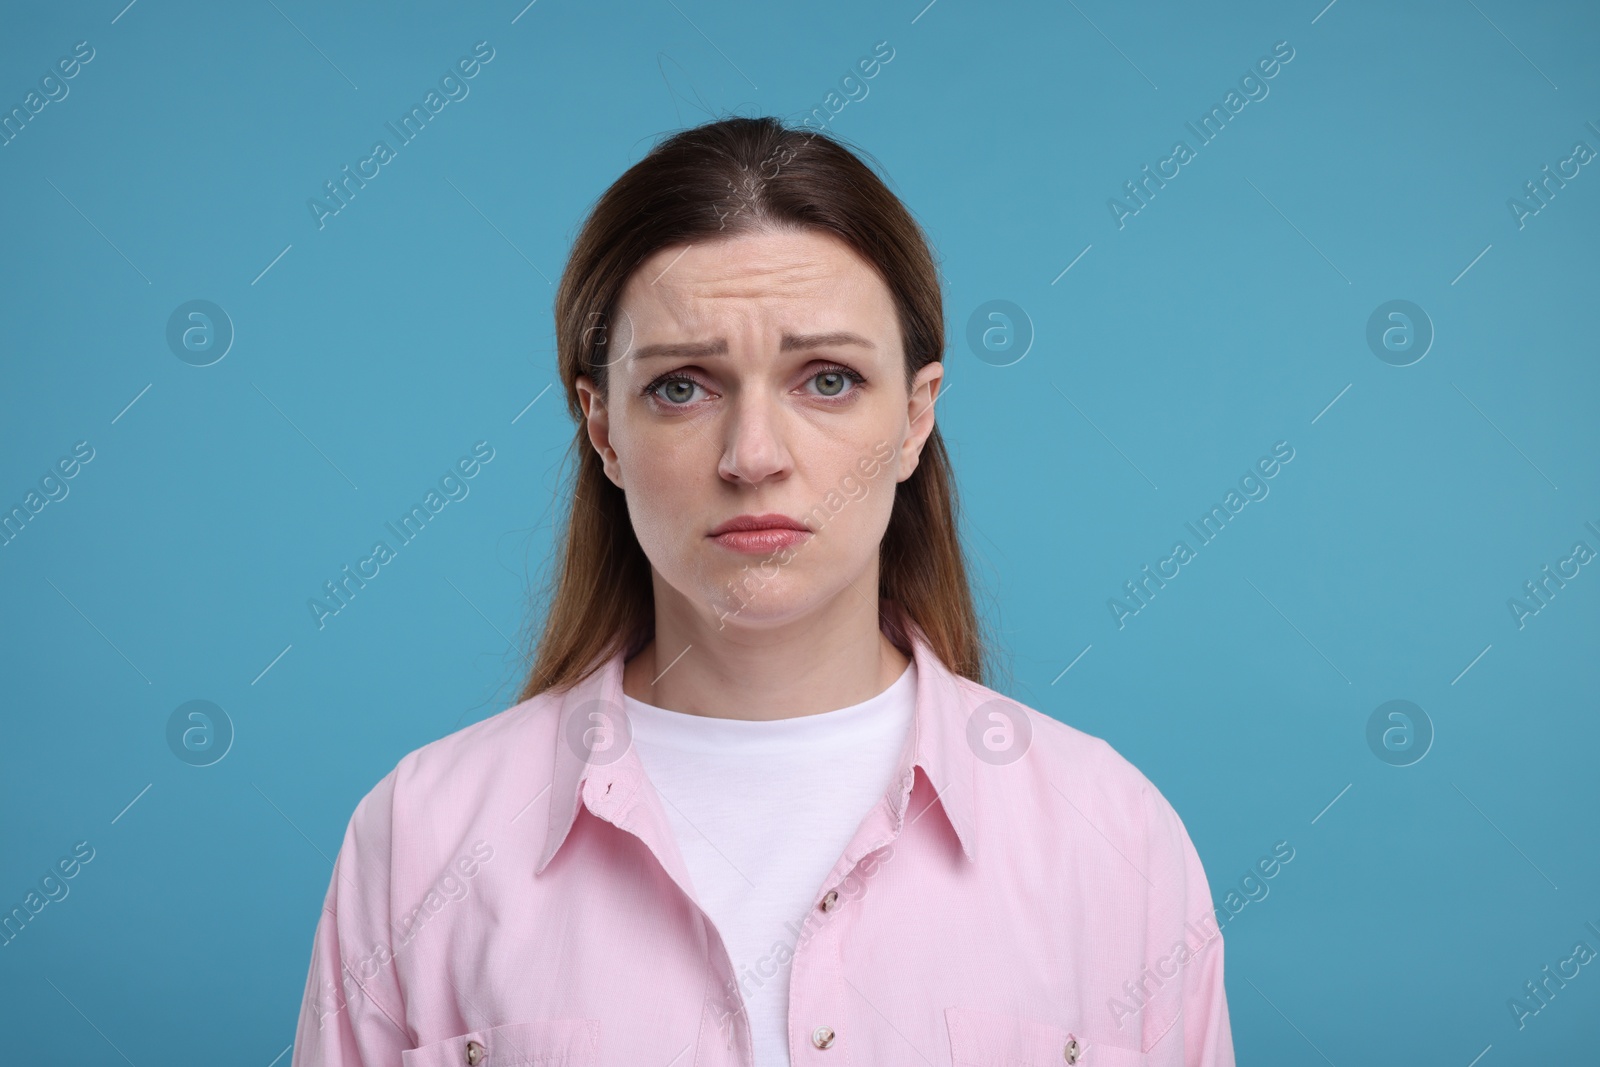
(755,611)
(761,604)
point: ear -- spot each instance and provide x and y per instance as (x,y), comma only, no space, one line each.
(919,415)
(597,422)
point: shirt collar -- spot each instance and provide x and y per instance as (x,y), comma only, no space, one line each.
(596,762)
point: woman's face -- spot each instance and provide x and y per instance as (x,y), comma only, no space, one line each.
(759,375)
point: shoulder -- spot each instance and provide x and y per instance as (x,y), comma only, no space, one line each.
(489,767)
(488,749)
(1077,778)
(1053,748)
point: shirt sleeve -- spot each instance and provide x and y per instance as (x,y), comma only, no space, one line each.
(352,1014)
(1186,1023)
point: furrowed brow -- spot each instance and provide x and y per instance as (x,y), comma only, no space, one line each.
(684,349)
(801,342)
(719,346)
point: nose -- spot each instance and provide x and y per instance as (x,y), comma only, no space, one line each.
(754,448)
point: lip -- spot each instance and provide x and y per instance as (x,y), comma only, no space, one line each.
(770,521)
(760,534)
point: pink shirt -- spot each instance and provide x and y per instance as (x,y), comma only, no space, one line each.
(513,894)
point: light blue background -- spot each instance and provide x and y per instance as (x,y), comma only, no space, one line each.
(1224,317)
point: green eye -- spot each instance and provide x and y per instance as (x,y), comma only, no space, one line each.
(677,390)
(834,381)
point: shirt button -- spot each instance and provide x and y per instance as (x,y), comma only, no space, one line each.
(822,1036)
(475,1053)
(1072,1050)
(830,901)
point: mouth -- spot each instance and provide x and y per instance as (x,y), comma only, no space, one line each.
(757,534)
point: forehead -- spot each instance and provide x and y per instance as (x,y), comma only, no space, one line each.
(793,278)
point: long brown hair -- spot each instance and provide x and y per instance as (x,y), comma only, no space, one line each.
(721,180)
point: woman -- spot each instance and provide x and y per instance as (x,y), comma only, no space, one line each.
(755,806)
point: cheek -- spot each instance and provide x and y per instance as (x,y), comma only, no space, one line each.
(657,461)
(858,505)
(875,508)
(667,479)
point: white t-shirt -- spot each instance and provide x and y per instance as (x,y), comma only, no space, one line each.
(762,811)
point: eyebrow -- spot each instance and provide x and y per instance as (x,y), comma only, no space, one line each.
(719,346)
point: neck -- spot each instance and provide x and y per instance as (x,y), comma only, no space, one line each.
(833,657)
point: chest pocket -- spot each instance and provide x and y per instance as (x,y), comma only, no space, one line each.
(992,1039)
(551,1043)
